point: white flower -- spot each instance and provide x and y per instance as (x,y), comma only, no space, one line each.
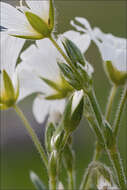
(33,21)
(41,62)
(112,48)
(103,184)
(9,87)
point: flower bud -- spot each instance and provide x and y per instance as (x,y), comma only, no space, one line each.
(50,129)
(73,112)
(52,168)
(73,52)
(8,94)
(116,76)
(56,141)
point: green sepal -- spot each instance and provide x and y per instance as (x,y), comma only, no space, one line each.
(109,135)
(38,24)
(51,15)
(51,83)
(50,129)
(69,75)
(8,94)
(37,37)
(73,51)
(117,77)
(37,182)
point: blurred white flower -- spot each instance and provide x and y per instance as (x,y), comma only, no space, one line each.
(60,186)
(9,84)
(41,62)
(103,184)
(111,48)
(33,20)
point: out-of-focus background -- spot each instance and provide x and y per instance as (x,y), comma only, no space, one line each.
(18,155)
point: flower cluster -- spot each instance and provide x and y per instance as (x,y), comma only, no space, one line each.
(56,70)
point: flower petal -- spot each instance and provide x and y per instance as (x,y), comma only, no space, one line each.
(28,83)
(41,8)
(41,107)
(10,49)
(40,62)
(81,40)
(11,17)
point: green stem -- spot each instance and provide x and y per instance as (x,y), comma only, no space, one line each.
(110,102)
(93,124)
(86,176)
(52,183)
(32,135)
(118,167)
(71,180)
(116,164)
(120,111)
(95,106)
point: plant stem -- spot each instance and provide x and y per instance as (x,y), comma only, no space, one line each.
(119,111)
(115,161)
(71,180)
(52,183)
(110,101)
(32,135)
(118,167)
(95,107)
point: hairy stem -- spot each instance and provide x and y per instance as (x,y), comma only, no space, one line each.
(110,102)
(115,162)
(120,111)
(32,135)
(118,166)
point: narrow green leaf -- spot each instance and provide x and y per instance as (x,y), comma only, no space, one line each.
(38,24)
(36,181)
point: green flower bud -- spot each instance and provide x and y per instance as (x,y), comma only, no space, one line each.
(8,95)
(116,76)
(70,76)
(73,112)
(50,129)
(73,51)
(56,141)
(53,163)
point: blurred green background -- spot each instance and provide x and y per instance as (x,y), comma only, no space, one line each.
(18,155)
